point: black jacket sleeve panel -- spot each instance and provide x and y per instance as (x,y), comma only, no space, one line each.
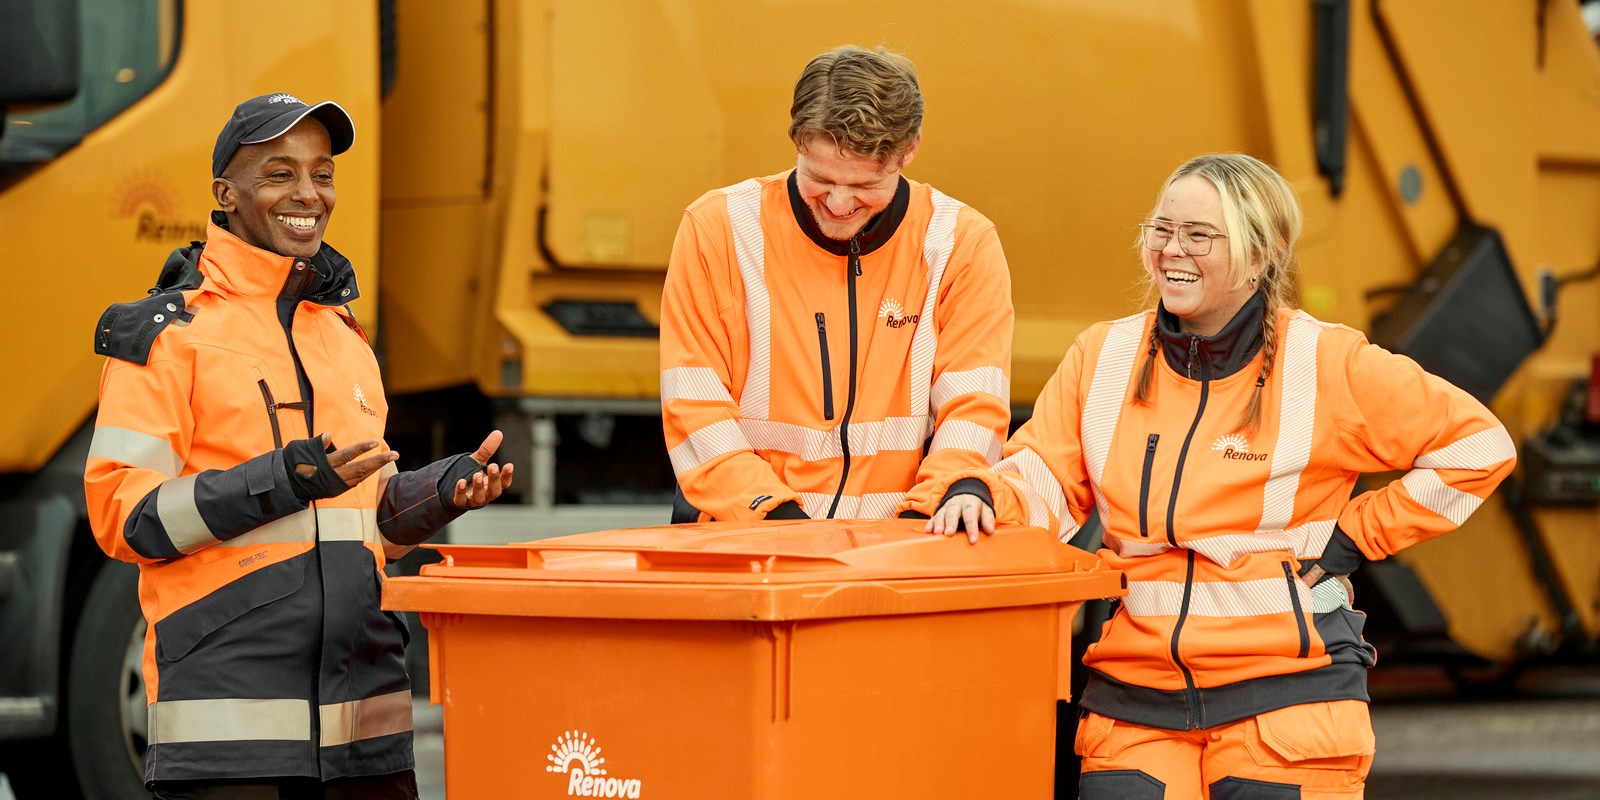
(1341,556)
(416,505)
(788,509)
(193,512)
(973,486)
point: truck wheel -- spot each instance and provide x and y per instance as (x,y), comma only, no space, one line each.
(106,721)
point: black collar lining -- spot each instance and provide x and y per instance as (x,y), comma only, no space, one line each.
(877,232)
(1219,356)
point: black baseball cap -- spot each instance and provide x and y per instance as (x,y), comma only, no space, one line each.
(264,118)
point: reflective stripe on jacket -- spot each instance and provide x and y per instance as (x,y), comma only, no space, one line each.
(1212,523)
(267,653)
(760,393)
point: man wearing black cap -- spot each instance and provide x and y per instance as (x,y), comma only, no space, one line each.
(238,459)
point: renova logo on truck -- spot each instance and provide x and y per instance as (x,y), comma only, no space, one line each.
(578,755)
(148,198)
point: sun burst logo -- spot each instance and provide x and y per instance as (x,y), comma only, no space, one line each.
(578,755)
(361,400)
(147,197)
(284,98)
(1232,441)
(570,747)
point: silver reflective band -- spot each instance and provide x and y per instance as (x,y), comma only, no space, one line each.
(1215,598)
(938,242)
(1298,401)
(878,505)
(297,527)
(336,525)
(385,714)
(750,250)
(347,524)
(179,515)
(1102,408)
(703,445)
(136,449)
(984,380)
(961,434)
(693,383)
(229,720)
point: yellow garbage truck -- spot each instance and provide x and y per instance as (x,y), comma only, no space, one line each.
(520,167)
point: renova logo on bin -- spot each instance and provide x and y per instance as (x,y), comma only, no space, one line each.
(578,755)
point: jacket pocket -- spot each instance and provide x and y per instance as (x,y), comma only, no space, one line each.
(181,631)
(1094,733)
(1340,630)
(1331,735)
(1299,608)
(827,367)
(1144,484)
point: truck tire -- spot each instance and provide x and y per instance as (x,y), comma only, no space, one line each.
(105,716)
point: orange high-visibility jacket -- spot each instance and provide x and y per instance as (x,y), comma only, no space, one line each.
(267,653)
(1212,523)
(794,370)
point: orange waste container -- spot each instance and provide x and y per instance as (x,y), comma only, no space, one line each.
(804,659)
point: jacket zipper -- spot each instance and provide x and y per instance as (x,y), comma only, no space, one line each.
(272,414)
(293,289)
(1177,475)
(827,371)
(1299,611)
(853,270)
(1144,484)
(1193,712)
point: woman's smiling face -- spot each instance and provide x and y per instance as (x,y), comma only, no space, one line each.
(1202,291)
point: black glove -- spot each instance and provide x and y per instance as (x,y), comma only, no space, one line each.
(310,475)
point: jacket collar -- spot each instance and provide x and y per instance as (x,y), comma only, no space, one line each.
(878,231)
(1213,357)
(247,270)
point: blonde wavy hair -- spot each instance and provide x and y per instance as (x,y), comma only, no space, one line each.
(867,102)
(1264,223)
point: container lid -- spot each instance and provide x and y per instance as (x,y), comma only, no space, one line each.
(788,569)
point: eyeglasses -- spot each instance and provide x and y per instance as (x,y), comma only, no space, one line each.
(1193,239)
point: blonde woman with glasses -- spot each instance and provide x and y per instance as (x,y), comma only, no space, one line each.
(1219,435)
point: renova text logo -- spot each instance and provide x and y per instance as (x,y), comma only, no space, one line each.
(578,755)
(1236,448)
(285,98)
(893,315)
(361,400)
(147,197)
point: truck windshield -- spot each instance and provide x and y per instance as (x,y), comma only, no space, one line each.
(127,49)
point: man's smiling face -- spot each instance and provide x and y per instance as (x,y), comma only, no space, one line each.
(279,194)
(844,190)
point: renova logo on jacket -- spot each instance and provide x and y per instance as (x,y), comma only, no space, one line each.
(893,315)
(1237,448)
(361,400)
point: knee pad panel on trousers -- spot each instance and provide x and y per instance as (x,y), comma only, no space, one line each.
(1245,789)
(1120,784)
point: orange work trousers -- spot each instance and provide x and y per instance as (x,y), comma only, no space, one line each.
(1315,751)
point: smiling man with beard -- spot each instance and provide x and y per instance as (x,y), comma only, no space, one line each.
(238,459)
(836,337)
